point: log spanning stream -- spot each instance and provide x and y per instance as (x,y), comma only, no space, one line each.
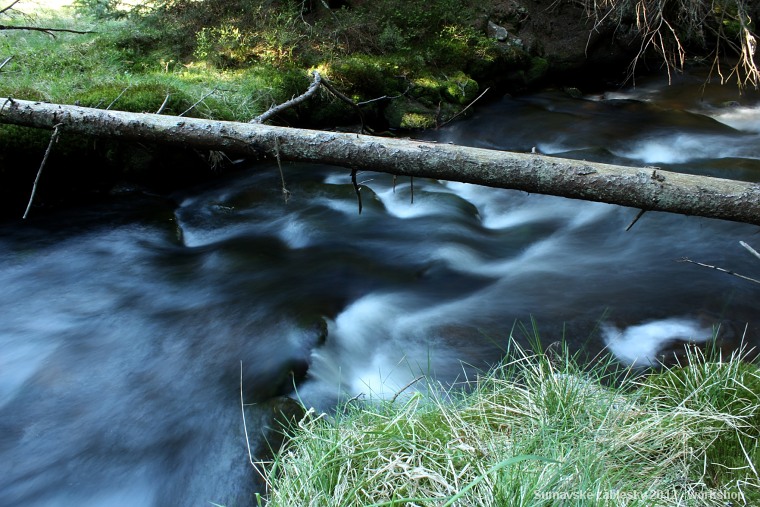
(124,325)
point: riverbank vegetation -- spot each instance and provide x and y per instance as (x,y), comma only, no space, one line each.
(539,429)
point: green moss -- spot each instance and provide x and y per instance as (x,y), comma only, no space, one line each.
(537,70)
(143,97)
(461,89)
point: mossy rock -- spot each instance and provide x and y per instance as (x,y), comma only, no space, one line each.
(407,113)
(539,67)
(461,89)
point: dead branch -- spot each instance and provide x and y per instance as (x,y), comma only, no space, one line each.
(685,259)
(292,102)
(53,140)
(347,100)
(5,9)
(635,187)
(198,102)
(50,31)
(465,109)
(6,61)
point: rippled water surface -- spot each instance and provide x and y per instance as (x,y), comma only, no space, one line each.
(124,326)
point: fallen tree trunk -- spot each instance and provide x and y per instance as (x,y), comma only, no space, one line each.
(644,188)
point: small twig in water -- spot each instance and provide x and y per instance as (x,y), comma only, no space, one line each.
(750,249)
(685,259)
(245,428)
(53,140)
(410,384)
(636,219)
(356,189)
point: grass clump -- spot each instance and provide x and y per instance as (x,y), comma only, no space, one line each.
(537,430)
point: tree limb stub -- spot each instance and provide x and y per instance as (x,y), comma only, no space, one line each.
(627,186)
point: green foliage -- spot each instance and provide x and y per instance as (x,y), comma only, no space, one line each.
(100,9)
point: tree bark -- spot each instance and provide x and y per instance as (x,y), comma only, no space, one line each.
(644,188)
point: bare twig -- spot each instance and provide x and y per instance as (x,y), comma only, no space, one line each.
(292,102)
(49,31)
(685,259)
(7,8)
(198,102)
(6,61)
(345,99)
(635,219)
(466,108)
(53,139)
(750,249)
(410,384)
(285,191)
(117,98)
(163,105)
(245,427)
(356,189)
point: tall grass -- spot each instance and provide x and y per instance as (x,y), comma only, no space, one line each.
(538,430)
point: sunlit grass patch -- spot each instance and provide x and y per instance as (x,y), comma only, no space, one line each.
(537,430)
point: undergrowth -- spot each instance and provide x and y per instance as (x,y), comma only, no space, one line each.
(538,430)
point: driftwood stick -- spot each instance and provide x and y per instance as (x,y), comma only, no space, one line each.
(53,139)
(292,102)
(685,259)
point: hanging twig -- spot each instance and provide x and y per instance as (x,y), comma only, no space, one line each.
(285,191)
(356,189)
(199,101)
(750,249)
(53,139)
(685,259)
(245,428)
(636,219)
(292,102)
(465,109)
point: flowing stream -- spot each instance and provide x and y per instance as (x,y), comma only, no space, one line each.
(124,326)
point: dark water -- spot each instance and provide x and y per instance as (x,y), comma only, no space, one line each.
(123,327)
